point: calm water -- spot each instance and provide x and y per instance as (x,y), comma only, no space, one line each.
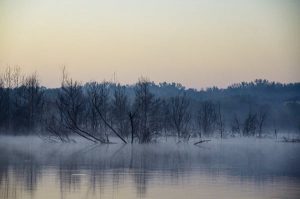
(231,168)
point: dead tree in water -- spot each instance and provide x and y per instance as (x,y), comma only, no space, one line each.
(166,123)
(70,103)
(132,124)
(180,116)
(236,125)
(220,120)
(56,130)
(3,104)
(206,118)
(146,108)
(29,102)
(98,97)
(10,79)
(120,108)
(250,124)
(261,119)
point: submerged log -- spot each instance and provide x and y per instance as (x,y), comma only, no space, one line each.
(293,140)
(201,141)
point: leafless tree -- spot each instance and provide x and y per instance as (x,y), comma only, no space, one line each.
(93,119)
(166,117)
(261,119)
(180,116)
(236,125)
(98,97)
(146,110)
(11,78)
(33,100)
(220,120)
(1,82)
(133,124)
(71,103)
(249,128)
(56,130)
(3,107)
(120,109)
(206,118)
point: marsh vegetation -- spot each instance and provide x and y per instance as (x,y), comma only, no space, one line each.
(144,112)
(147,140)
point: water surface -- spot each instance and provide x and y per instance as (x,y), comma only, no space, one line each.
(229,168)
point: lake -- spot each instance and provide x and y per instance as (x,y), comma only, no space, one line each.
(228,168)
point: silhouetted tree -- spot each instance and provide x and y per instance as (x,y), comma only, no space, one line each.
(236,125)
(10,79)
(146,109)
(29,103)
(3,103)
(249,128)
(180,115)
(261,119)
(207,118)
(71,103)
(93,119)
(98,96)
(220,120)
(166,117)
(120,109)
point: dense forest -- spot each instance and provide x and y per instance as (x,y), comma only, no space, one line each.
(98,111)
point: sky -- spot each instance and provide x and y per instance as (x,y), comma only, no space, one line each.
(195,42)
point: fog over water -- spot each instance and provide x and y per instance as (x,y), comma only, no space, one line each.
(160,99)
(228,168)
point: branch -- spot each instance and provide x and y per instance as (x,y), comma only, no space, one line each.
(201,141)
(107,124)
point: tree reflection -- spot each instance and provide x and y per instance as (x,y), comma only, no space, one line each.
(94,171)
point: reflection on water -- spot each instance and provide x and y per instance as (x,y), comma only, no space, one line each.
(245,168)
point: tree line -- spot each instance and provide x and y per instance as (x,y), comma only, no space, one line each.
(98,111)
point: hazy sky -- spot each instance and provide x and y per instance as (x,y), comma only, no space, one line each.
(198,43)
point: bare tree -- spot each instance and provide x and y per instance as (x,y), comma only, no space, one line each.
(1,82)
(220,120)
(120,108)
(10,79)
(93,119)
(206,118)
(3,101)
(98,97)
(146,110)
(249,128)
(180,116)
(70,104)
(261,119)
(56,130)
(32,101)
(236,125)
(166,117)
(133,124)
(99,94)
